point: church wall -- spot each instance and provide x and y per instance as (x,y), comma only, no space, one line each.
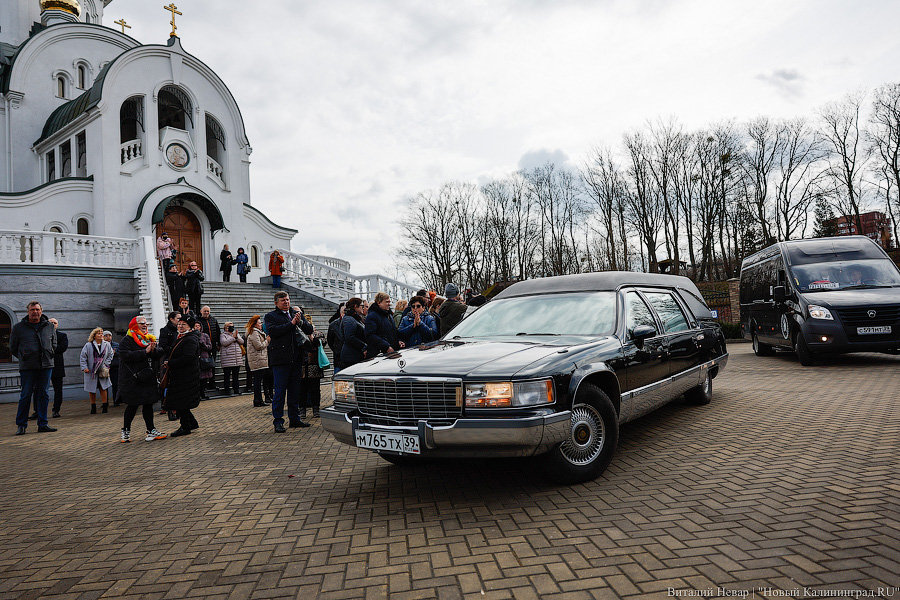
(59,203)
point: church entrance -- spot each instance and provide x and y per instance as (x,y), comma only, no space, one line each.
(184,229)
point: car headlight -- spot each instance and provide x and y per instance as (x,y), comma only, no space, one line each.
(820,312)
(507,394)
(343,391)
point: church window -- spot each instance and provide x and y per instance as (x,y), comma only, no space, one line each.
(60,87)
(131,128)
(254,257)
(174,108)
(82,76)
(51,165)
(215,146)
(81,154)
(5,329)
(65,159)
(56,229)
(82,226)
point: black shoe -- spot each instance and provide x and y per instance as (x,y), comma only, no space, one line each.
(172,416)
(195,425)
(46,428)
(21,430)
(259,404)
(55,414)
(33,417)
(315,413)
(180,431)
(278,429)
(93,409)
(299,424)
(104,408)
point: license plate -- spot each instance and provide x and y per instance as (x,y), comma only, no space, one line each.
(392,442)
(871,330)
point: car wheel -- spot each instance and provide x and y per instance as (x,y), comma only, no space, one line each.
(593,434)
(403,460)
(807,359)
(759,348)
(702,394)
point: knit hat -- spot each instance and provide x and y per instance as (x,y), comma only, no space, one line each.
(451,291)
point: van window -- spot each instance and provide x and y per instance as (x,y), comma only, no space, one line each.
(669,312)
(841,275)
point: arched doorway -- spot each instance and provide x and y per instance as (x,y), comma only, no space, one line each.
(184,229)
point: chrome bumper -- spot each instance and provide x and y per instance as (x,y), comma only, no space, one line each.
(507,436)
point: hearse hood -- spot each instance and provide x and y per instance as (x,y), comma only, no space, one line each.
(471,359)
(855,297)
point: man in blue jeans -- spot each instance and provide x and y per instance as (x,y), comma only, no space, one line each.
(33,342)
(287,327)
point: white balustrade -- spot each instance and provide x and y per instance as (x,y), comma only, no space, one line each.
(215,169)
(327,281)
(131,150)
(65,249)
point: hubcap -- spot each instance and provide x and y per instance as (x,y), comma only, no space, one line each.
(587,436)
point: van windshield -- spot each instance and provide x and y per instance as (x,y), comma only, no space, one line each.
(842,275)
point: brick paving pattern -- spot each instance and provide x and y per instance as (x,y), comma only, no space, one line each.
(788,482)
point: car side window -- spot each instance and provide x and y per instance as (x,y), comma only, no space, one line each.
(669,311)
(637,313)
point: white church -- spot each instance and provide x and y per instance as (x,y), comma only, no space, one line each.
(105,143)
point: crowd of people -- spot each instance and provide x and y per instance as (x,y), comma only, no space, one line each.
(282,352)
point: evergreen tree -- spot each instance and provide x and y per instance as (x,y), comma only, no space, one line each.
(826,222)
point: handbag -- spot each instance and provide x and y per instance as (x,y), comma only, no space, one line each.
(207,364)
(323,358)
(103,373)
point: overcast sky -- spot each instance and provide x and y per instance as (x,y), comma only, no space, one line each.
(353,106)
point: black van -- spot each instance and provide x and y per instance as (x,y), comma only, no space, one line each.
(821,296)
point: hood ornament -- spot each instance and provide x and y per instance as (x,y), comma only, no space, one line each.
(871,314)
(401,363)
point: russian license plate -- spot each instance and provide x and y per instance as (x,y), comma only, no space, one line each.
(873,330)
(393,442)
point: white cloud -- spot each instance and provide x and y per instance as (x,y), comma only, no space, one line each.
(353,106)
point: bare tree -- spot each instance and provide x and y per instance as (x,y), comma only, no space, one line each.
(799,178)
(847,154)
(644,210)
(884,137)
(604,184)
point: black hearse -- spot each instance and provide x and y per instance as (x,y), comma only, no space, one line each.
(550,368)
(821,296)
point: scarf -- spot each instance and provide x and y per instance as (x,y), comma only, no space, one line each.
(134,332)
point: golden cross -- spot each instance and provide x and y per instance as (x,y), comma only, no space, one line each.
(174,10)
(123,24)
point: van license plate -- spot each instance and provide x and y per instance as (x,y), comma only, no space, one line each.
(871,330)
(393,442)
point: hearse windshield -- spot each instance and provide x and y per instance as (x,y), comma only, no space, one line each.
(846,274)
(583,313)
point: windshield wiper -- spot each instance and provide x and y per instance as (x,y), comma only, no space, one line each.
(529,333)
(862,286)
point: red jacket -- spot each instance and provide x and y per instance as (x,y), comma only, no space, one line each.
(275,266)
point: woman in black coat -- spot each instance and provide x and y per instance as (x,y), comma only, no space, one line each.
(353,333)
(183,388)
(226,260)
(137,377)
(381,332)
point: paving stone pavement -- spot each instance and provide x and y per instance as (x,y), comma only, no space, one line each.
(788,483)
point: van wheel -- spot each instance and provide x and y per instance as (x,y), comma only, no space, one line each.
(593,434)
(807,359)
(759,348)
(702,394)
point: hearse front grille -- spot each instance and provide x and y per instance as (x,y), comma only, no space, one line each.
(859,316)
(404,399)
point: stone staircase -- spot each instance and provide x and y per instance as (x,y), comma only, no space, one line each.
(237,302)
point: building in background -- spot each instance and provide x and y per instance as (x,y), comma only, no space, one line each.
(875,225)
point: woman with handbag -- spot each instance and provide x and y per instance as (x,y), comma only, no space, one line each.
(96,356)
(243,264)
(313,373)
(258,358)
(137,377)
(207,362)
(230,342)
(183,377)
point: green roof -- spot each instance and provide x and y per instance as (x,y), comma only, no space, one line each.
(71,110)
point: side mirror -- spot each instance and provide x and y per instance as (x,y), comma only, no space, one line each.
(779,293)
(641,333)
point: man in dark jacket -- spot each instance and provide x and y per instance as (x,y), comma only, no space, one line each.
(288,329)
(452,310)
(33,342)
(59,367)
(210,326)
(175,283)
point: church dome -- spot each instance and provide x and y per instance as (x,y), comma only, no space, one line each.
(69,6)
